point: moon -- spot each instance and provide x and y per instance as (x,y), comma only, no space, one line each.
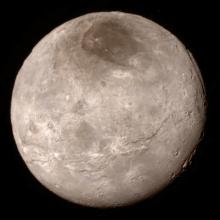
(108,109)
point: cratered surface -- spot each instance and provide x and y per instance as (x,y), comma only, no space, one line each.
(107,109)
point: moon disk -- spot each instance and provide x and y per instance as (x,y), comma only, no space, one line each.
(108,109)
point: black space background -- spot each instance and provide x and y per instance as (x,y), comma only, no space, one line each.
(195,193)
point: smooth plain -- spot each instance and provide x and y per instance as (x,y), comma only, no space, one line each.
(108,109)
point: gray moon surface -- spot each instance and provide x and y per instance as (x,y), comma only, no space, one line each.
(108,109)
